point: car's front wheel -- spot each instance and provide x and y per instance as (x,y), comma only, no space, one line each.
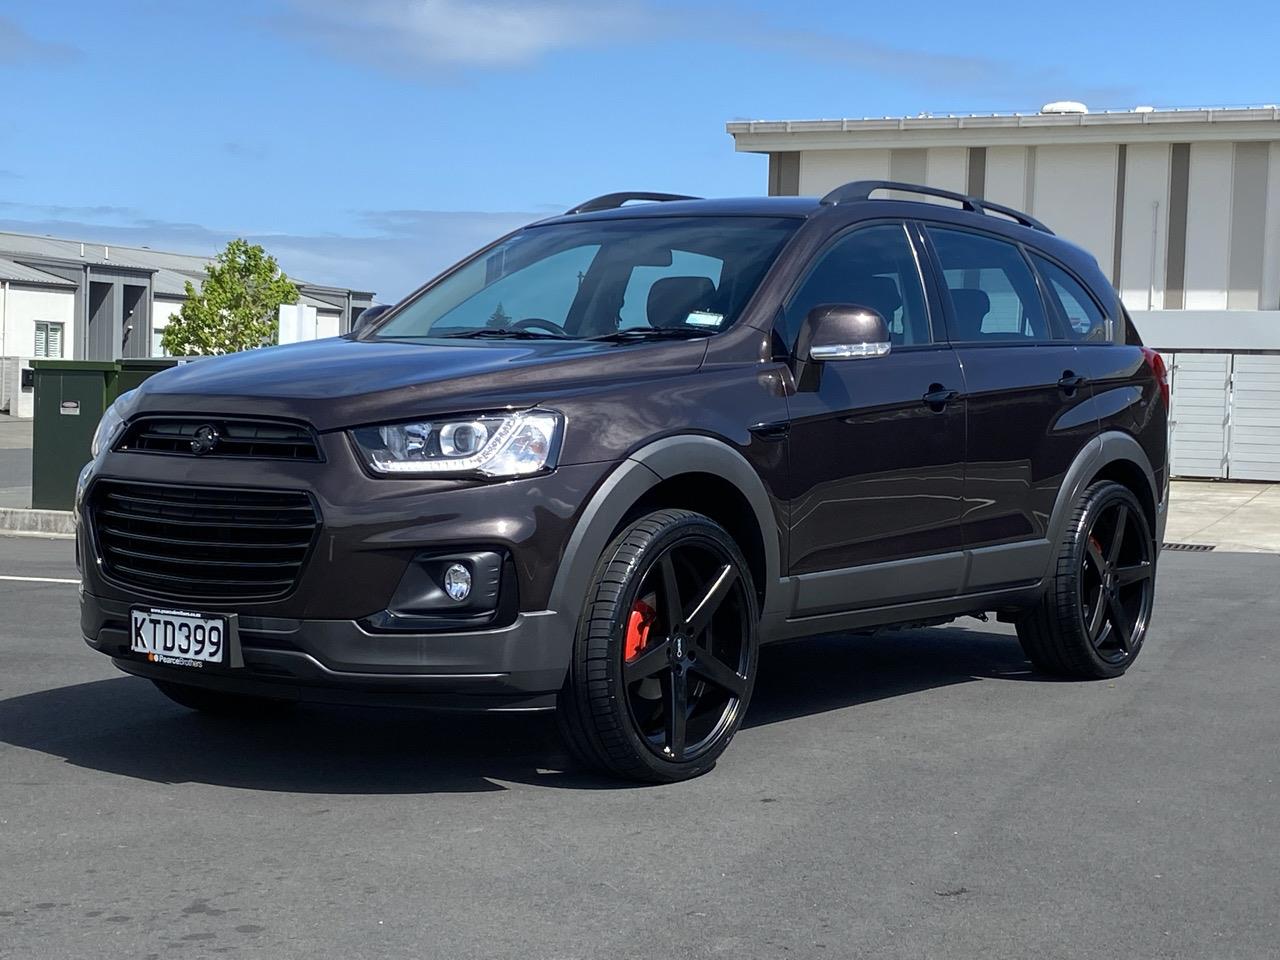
(1093,618)
(665,656)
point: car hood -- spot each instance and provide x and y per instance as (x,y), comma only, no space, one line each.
(339,382)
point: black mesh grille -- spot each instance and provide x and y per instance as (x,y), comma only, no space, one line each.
(259,439)
(202,542)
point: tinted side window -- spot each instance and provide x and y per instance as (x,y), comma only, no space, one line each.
(993,291)
(1085,321)
(872,267)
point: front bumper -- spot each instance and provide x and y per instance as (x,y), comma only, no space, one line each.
(517,667)
(334,635)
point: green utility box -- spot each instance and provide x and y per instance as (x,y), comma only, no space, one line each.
(70,398)
(133,372)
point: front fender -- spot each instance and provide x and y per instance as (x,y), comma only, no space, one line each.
(632,479)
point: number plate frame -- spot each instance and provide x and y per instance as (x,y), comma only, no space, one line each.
(230,659)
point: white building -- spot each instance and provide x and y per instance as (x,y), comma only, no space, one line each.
(1180,207)
(74,300)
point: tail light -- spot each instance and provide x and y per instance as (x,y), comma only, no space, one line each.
(1156,363)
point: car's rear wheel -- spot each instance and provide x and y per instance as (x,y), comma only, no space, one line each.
(665,657)
(222,704)
(1093,618)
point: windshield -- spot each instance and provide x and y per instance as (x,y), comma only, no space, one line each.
(603,278)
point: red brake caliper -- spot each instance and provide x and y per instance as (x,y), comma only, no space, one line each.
(638,625)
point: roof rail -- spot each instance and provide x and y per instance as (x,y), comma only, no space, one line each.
(862,190)
(1023,218)
(611,201)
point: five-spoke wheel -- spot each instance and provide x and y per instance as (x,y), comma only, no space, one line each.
(665,656)
(1116,582)
(1094,614)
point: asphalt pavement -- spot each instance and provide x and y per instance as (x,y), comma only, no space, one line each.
(922,794)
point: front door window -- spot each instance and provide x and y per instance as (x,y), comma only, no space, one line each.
(872,267)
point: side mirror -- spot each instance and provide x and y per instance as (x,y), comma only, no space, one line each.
(843,331)
(370,314)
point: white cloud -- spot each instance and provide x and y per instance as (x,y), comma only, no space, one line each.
(462,33)
(18,46)
(398,250)
(427,38)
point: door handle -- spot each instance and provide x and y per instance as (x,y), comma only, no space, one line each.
(775,430)
(939,396)
(1070,382)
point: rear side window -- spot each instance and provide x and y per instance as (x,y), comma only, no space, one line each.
(994,297)
(1085,320)
(872,267)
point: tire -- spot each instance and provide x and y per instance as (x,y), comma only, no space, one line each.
(1093,618)
(638,667)
(221,704)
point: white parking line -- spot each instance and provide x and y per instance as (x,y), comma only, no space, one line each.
(38,579)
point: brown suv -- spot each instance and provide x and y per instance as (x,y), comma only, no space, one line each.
(595,465)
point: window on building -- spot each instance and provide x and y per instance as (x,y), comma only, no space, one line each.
(993,292)
(1085,320)
(48,340)
(162,314)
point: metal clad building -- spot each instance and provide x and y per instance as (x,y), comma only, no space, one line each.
(1180,207)
(90,301)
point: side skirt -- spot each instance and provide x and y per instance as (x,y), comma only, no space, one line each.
(775,627)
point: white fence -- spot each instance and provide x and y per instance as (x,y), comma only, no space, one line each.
(1225,417)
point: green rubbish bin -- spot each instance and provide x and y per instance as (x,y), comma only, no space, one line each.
(70,398)
(134,371)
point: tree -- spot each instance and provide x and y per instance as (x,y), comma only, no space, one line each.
(238,307)
(499,318)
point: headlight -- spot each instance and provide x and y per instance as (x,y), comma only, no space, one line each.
(491,445)
(110,425)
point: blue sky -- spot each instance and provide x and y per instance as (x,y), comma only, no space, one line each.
(371,143)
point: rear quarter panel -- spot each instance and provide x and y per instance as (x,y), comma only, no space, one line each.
(1127,398)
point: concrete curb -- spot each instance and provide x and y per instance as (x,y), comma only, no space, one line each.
(43,523)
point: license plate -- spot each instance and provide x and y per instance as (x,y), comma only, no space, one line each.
(179,638)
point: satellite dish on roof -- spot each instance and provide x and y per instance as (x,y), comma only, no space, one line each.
(1064,106)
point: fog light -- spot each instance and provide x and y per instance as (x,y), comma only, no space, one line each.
(457,582)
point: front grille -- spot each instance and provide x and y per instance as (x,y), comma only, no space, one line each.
(235,437)
(202,542)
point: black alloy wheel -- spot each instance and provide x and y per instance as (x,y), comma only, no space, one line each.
(1095,612)
(666,654)
(685,681)
(1116,584)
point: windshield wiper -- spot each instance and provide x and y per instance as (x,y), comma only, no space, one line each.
(650,333)
(503,333)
